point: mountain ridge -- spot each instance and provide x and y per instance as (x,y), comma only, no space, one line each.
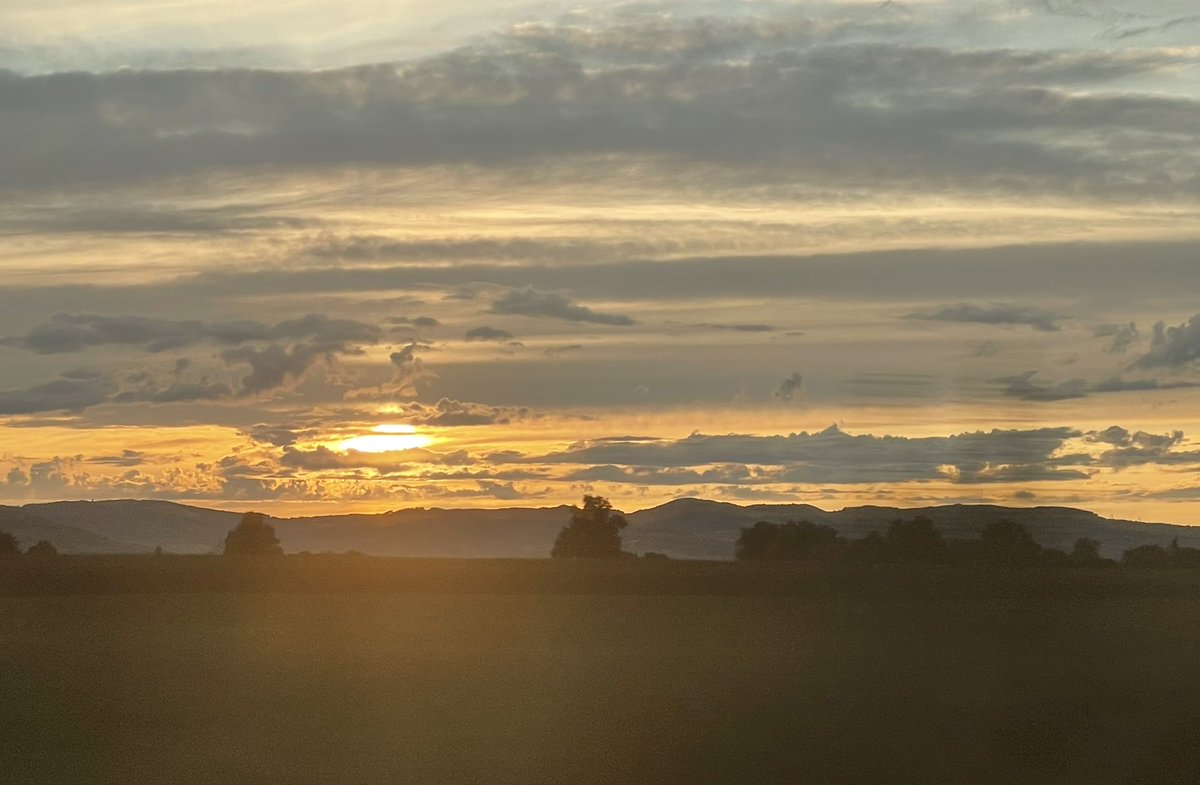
(689,527)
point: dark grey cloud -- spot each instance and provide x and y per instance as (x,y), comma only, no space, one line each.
(995,313)
(488,334)
(558,351)
(449,413)
(1027,387)
(830,110)
(375,248)
(67,332)
(1173,347)
(56,395)
(551,305)
(279,436)
(726,474)
(155,220)
(1123,336)
(76,392)
(276,365)
(323,458)
(127,458)
(833,456)
(1094,273)
(986,349)
(790,387)
(417,321)
(741,328)
(1162,27)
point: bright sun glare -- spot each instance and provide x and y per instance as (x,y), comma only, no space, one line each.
(386,438)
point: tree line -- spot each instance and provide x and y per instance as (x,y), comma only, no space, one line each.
(919,540)
(594,532)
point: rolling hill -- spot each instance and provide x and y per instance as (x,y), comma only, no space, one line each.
(684,528)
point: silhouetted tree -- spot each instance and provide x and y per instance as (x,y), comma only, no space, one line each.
(1086,551)
(1146,556)
(1008,542)
(594,532)
(253,536)
(1181,556)
(42,549)
(9,548)
(871,549)
(789,541)
(915,540)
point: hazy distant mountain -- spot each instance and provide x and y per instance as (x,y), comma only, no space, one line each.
(685,528)
(696,528)
(177,528)
(29,528)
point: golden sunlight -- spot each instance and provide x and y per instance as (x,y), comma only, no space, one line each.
(386,438)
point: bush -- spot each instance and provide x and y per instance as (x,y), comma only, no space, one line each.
(791,541)
(253,536)
(593,533)
(43,549)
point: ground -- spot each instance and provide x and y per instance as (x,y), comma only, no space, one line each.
(824,674)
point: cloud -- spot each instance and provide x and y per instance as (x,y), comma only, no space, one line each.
(76,332)
(550,305)
(1027,388)
(1034,317)
(833,456)
(394,462)
(986,349)
(488,334)
(1123,336)
(790,387)
(1172,347)
(725,474)
(276,365)
(558,351)
(60,394)
(449,413)
(175,392)
(419,321)
(742,328)
(830,109)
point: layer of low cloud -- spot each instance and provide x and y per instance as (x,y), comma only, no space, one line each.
(552,305)
(1037,318)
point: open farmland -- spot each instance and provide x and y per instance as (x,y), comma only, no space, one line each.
(529,672)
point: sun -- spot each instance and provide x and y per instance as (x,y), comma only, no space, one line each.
(386,438)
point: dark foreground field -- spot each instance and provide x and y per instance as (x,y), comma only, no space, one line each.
(342,670)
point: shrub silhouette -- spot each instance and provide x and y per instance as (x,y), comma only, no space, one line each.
(915,540)
(1007,542)
(594,532)
(1146,556)
(1086,551)
(42,549)
(9,548)
(789,541)
(1183,557)
(253,536)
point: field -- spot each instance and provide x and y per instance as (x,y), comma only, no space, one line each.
(343,670)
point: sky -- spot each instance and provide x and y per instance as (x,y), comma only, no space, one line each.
(309,258)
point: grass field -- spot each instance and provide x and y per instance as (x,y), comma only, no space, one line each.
(608,674)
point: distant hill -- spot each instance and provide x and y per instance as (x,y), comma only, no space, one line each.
(178,528)
(29,528)
(696,528)
(685,528)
